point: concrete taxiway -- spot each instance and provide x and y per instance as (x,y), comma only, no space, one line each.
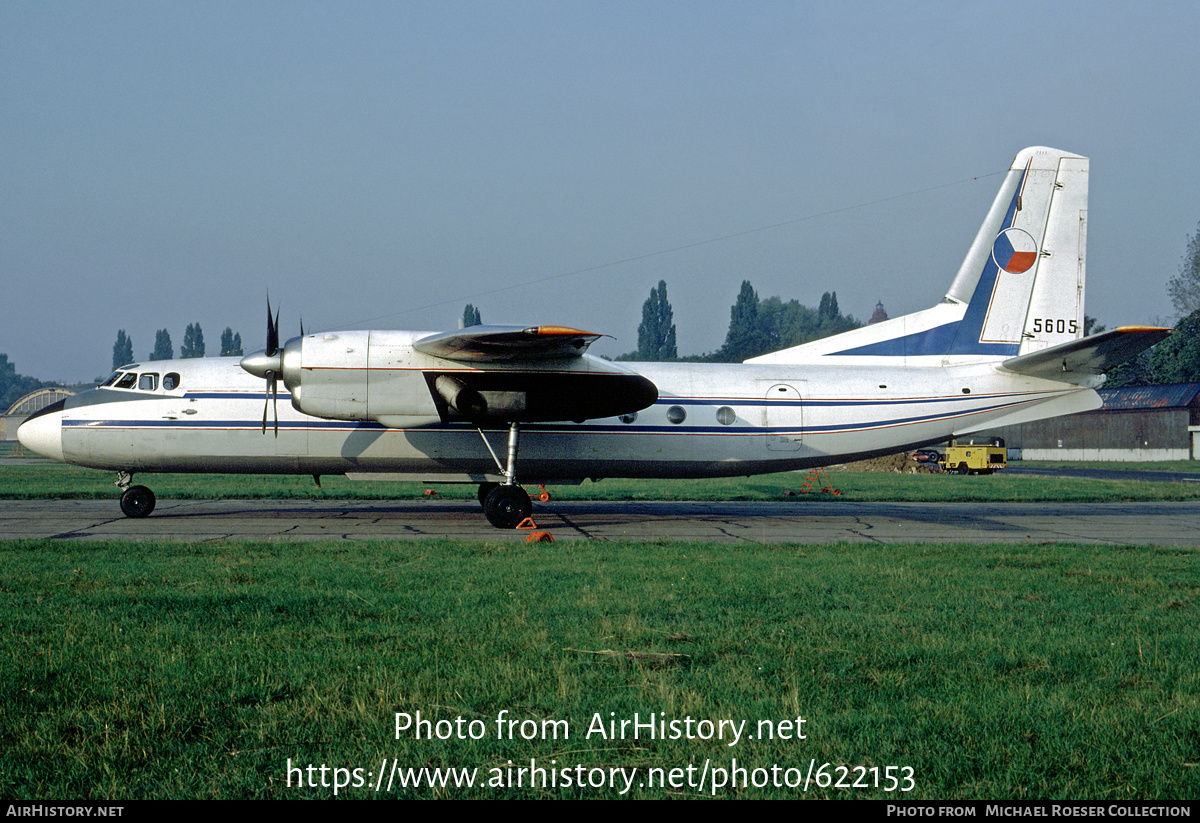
(815,521)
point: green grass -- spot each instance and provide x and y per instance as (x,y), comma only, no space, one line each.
(1146,465)
(56,480)
(197,671)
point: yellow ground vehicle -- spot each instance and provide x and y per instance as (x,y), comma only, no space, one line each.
(975,457)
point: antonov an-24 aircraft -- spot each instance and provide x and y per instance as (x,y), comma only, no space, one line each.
(494,404)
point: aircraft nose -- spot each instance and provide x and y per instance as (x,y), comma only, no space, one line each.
(43,434)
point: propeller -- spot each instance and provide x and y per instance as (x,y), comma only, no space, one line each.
(268,365)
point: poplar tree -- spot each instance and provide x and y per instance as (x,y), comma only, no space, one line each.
(231,344)
(163,350)
(656,334)
(193,342)
(122,350)
(744,338)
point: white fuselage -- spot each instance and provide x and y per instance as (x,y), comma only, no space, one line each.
(709,420)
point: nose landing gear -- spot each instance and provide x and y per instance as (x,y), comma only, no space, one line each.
(136,501)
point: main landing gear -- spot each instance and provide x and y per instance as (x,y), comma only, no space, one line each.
(505,504)
(136,501)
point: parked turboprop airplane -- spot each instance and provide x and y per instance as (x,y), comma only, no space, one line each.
(1005,346)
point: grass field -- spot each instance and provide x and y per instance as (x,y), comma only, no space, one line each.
(179,671)
(56,480)
(1147,465)
(282,670)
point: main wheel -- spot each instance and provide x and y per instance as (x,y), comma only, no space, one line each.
(507,506)
(137,501)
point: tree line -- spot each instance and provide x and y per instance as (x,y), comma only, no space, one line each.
(756,326)
(193,345)
(1176,359)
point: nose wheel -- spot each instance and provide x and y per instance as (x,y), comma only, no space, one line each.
(137,501)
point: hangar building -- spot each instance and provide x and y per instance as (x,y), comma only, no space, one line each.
(1135,423)
(35,401)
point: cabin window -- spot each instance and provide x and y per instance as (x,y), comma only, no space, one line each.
(676,414)
(726,416)
(171,381)
(127,381)
(148,381)
(628,418)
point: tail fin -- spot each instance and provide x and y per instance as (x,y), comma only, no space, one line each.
(1028,287)
(1020,288)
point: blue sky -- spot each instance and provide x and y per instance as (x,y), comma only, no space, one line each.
(382,164)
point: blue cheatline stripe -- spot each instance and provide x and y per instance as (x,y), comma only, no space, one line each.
(234,395)
(334,425)
(714,403)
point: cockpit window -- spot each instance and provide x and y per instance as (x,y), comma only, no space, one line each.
(148,381)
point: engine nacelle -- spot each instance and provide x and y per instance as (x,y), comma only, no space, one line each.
(357,375)
(380,376)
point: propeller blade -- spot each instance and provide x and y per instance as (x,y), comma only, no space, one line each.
(272,330)
(267,399)
(271,401)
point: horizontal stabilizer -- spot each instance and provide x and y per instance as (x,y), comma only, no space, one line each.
(488,344)
(1087,356)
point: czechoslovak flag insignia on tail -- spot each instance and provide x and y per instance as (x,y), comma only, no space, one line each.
(1015,251)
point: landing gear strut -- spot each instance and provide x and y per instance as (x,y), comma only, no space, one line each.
(136,501)
(505,504)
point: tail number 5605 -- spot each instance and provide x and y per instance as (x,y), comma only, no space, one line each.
(1059,326)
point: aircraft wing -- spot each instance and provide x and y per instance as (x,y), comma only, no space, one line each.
(1089,355)
(522,389)
(502,343)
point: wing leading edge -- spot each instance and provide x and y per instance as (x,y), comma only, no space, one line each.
(488,344)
